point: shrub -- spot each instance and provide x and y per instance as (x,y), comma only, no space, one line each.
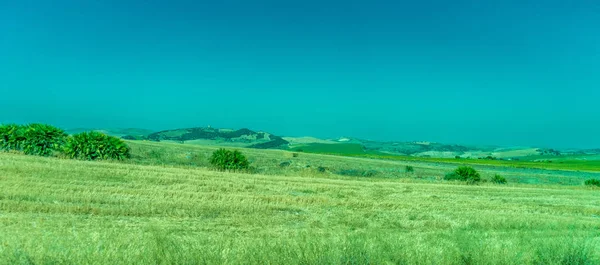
(497,179)
(12,137)
(464,173)
(357,172)
(95,145)
(409,169)
(452,176)
(42,139)
(229,160)
(592,182)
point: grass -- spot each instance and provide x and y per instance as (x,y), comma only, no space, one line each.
(267,162)
(572,163)
(590,163)
(165,207)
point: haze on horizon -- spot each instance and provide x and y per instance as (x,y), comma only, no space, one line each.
(476,72)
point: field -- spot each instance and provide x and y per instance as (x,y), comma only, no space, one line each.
(164,206)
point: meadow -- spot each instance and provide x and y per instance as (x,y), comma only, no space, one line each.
(166,206)
(590,163)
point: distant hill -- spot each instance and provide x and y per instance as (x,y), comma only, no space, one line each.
(134,132)
(344,145)
(242,137)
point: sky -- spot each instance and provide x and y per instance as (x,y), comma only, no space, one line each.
(505,72)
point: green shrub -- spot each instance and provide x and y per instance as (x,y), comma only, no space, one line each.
(224,159)
(95,145)
(357,172)
(42,139)
(497,179)
(464,173)
(593,182)
(409,169)
(12,137)
(452,176)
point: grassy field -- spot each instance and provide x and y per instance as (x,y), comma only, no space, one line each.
(165,207)
(590,163)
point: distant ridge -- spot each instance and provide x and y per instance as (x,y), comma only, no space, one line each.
(243,137)
(246,138)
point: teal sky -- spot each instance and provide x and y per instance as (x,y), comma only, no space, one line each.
(477,72)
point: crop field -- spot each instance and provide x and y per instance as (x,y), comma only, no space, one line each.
(166,206)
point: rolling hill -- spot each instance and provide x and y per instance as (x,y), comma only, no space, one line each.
(228,137)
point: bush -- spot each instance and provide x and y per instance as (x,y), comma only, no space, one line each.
(592,182)
(497,179)
(452,176)
(464,173)
(409,169)
(229,160)
(12,137)
(96,145)
(357,172)
(42,139)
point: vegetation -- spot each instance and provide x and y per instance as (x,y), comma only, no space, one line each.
(571,163)
(224,159)
(228,136)
(497,179)
(593,182)
(357,173)
(409,169)
(464,173)
(12,137)
(42,139)
(96,146)
(127,213)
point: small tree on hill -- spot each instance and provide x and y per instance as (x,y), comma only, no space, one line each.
(497,179)
(224,159)
(464,173)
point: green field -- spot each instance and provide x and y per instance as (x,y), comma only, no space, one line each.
(165,206)
(589,163)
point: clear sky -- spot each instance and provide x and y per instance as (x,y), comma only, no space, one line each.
(479,72)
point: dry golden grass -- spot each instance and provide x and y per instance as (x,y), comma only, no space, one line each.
(55,211)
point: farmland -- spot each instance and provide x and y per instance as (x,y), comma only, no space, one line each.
(165,206)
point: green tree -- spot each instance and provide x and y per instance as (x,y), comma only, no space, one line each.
(12,137)
(464,173)
(498,179)
(96,145)
(42,139)
(224,159)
